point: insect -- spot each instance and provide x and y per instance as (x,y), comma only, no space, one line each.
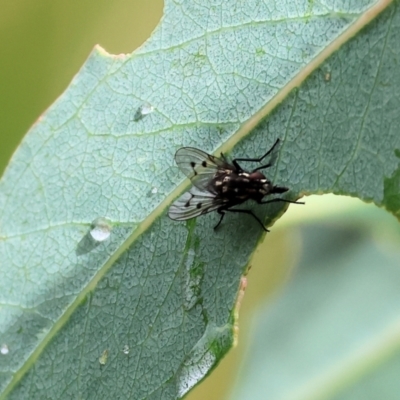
(220,185)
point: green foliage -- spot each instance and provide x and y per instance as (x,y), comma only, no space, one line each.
(149,311)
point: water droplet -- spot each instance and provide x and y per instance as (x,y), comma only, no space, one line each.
(4,349)
(143,110)
(152,192)
(327,76)
(100,229)
(327,72)
(103,358)
(126,349)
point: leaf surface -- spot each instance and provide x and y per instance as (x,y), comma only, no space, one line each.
(154,302)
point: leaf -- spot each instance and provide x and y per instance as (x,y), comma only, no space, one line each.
(334,332)
(149,311)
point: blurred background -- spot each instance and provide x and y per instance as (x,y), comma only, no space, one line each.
(347,244)
(44,43)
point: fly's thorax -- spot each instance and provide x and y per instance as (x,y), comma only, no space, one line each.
(223,183)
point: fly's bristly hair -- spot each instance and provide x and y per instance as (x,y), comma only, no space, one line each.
(220,185)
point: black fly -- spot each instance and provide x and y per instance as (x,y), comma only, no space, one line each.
(220,185)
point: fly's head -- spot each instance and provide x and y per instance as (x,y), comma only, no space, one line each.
(263,184)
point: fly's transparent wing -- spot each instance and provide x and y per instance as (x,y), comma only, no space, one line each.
(193,203)
(199,166)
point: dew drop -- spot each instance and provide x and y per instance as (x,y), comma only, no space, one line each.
(100,229)
(327,72)
(143,110)
(4,350)
(103,358)
(98,232)
(152,192)
(327,76)
(126,349)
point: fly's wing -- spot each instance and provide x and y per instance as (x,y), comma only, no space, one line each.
(199,166)
(193,203)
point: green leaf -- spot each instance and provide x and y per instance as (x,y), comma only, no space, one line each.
(334,333)
(149,311)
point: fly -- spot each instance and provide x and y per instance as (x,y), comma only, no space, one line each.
(220,185)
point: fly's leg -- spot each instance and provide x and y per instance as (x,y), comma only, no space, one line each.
(262,167)
(246,212)
(235,161)
(223,157)
(283,200)
(220,212)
